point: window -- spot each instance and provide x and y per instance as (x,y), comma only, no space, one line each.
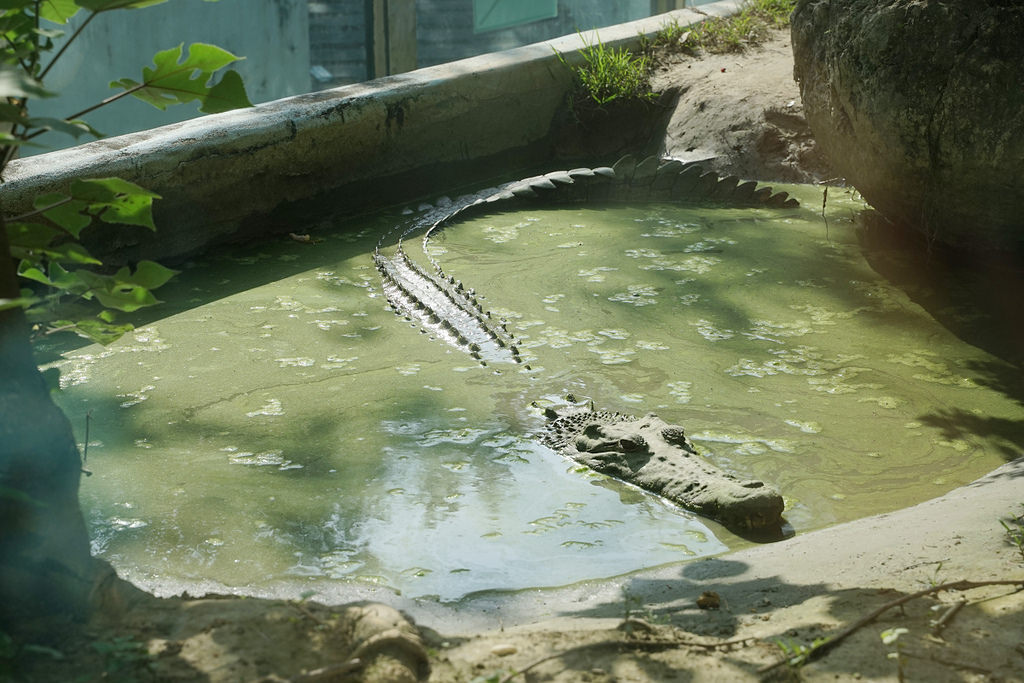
(489,15)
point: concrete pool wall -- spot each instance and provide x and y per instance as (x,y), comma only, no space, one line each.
(242,174)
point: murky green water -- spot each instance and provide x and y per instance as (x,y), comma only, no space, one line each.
(287,428)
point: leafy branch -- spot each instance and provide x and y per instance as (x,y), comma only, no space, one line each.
(44,241)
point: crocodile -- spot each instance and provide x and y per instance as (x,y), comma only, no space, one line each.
(656,456)
(450,312)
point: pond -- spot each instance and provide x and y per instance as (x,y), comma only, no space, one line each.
(282,428)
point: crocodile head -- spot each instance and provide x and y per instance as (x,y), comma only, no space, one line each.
(657,456)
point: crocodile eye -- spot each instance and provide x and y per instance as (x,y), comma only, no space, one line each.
(674,435)
(631,445)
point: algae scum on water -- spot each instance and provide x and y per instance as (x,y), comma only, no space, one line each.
(287,429)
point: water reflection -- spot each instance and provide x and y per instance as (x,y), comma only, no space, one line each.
(286,426)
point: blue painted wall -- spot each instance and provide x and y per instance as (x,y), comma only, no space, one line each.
(273,36)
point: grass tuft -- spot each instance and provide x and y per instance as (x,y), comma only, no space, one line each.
(617,75)
(608,75)
(1014,527)
(750,26)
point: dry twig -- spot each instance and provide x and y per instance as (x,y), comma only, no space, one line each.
(825,646)
(645,644)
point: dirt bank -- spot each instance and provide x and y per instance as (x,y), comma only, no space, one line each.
(744,110)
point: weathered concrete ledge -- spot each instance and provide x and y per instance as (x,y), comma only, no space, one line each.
(351,148)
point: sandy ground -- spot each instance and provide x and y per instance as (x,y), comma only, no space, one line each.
(718,619)
(744,110)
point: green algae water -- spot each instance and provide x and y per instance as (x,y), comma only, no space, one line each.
(285,429)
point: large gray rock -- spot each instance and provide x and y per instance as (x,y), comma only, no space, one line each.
(920,105)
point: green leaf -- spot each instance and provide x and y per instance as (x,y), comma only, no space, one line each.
(105,5)
(104,189)
(28,271)
(113,200)
(20,302)
(31,235)
(227,95)
(71,252)
(58,11)
(84,124)
(126,298)
(65,279)
(12,113)
(117,201)
(891,635)
(97,331)
(118,291)
(15,114)
(51,33)
(8,140)
(42,649)
(176,80)
(151,275)
(75,129)
(64,211)
(14,83)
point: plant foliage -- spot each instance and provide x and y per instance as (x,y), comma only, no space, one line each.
(750,26)
(1014,528)
(45,241)
(175,81)
(608,75)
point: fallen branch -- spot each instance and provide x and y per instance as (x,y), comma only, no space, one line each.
(947,662)
(648,644)
(942,621)
(819,650)
(307,613)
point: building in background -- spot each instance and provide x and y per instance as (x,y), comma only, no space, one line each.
(296,46)
(355,40)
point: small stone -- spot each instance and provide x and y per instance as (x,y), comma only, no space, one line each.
(709,600)
(504,650)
